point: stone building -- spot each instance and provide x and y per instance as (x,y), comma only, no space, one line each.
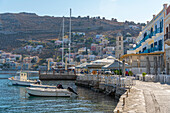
(119,46)
(150,63)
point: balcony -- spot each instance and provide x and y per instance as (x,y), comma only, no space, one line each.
(159,30)
(155,49)
(167,38)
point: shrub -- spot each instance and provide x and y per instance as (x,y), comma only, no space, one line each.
(117,72)
(143,74)
(130,73)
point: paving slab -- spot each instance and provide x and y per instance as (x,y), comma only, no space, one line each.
(146,97)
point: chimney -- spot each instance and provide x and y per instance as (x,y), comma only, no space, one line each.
(147,22)
(153,16)
(165,6)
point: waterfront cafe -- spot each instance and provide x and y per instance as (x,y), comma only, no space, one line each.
(99,66)
(117,65)
(96,66)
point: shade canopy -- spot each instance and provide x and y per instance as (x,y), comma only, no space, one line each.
(83,65)
(115,65)
(71,68)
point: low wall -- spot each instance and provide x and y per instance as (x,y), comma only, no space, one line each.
(57,77)
(103,88)
(109,85)
(164,79)
(8,72)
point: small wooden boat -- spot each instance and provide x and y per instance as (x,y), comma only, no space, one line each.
(21,80)
(47,92)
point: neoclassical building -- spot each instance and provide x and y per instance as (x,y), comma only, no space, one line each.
(167,39)
(152,45)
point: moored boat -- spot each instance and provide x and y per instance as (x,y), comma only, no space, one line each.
(48,92)
(21,80)
(43,86)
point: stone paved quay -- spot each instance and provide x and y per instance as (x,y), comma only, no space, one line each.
(146,97)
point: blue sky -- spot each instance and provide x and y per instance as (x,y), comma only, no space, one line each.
(131,10)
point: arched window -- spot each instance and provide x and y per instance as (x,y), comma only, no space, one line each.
(119,38)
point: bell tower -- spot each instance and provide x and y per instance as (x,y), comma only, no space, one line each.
(119,46)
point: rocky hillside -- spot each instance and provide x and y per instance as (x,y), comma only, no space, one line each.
(26,26)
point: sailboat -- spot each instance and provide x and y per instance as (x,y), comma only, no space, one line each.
(52,91)
(65,65)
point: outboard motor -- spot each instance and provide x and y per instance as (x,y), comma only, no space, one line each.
(38,82)
(59,86)
(71,90)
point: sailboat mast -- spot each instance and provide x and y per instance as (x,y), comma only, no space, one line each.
(63,42)
(70,36)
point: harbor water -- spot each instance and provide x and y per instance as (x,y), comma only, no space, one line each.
(15,99)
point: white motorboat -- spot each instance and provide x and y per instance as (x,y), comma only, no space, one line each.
(43,86)
(48,92)
(21,80)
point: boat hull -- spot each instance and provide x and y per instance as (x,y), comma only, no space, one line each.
(21,83)
(43,86)
(42,92)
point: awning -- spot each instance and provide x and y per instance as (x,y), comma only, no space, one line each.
(71,68)
(82,65)
(116,65)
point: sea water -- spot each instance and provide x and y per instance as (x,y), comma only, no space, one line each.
(14,99)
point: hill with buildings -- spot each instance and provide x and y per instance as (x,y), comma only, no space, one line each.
(14,26)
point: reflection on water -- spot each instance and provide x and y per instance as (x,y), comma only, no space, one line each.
(14,99)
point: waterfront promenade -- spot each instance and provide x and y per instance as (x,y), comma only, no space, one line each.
(146,97)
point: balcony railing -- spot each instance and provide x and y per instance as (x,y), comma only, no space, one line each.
(167,36)
(159,30)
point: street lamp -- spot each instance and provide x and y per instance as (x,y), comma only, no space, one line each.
(119,69)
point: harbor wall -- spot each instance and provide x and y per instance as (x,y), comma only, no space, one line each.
(53,75)
(57,77)
(109,85)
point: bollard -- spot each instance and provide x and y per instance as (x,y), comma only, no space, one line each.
(117,111)
(127,94)
(39,72)
(123,101)
(53,72)
(129,90)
